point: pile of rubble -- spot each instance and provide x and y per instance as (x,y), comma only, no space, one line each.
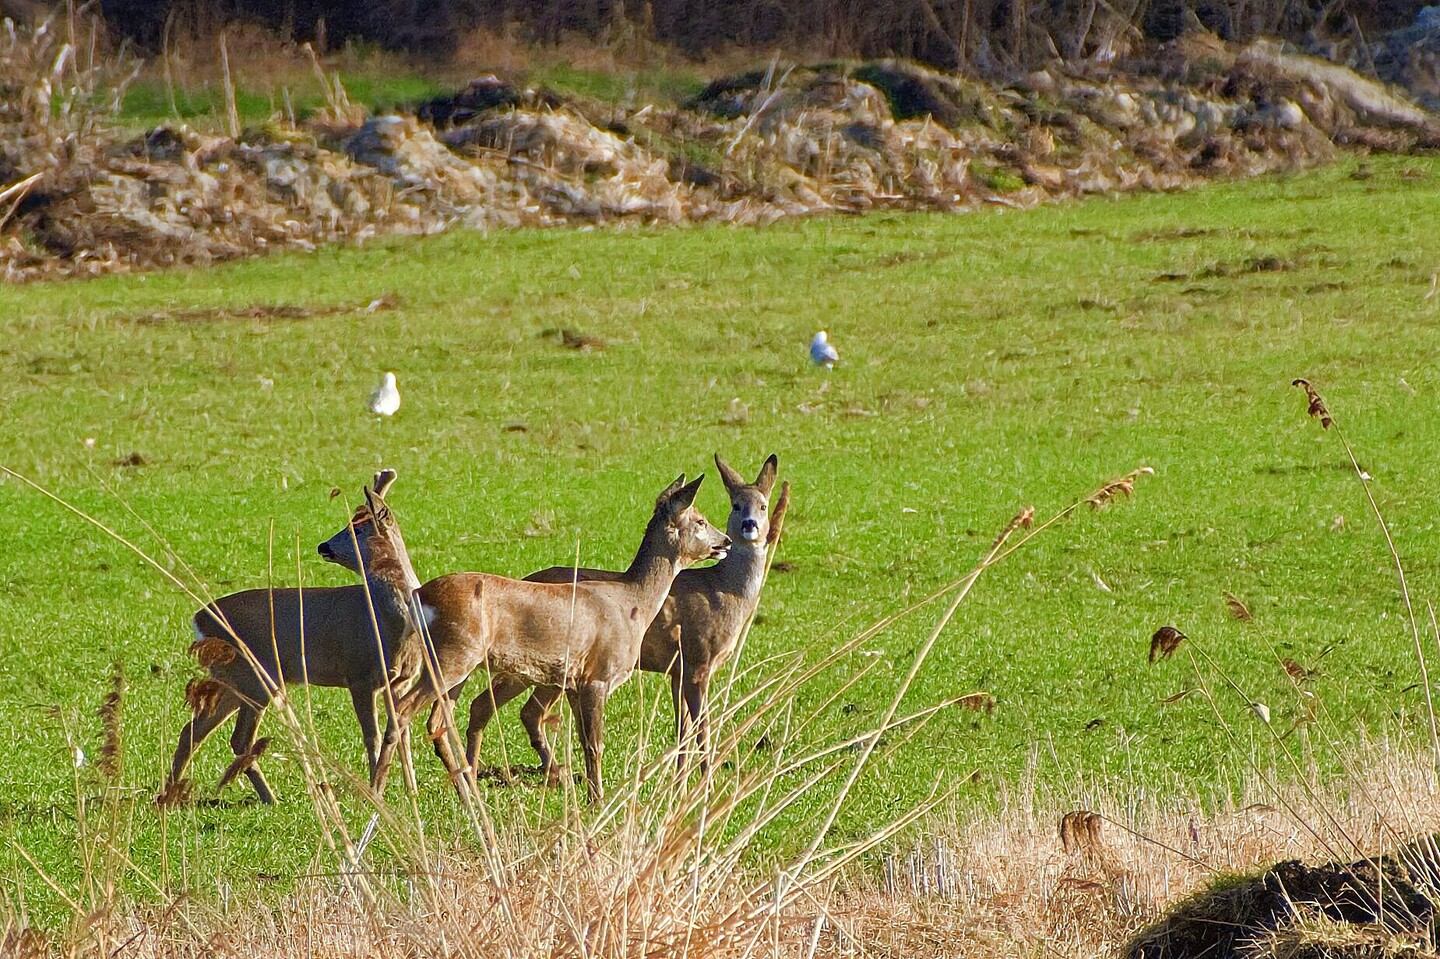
(844,137)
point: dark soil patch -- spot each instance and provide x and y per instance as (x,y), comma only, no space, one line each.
(915,93)
(1382,897)
(480,96)
(1223,268)
(266,312)
(1177,233)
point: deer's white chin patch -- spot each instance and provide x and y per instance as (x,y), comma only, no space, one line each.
(750,536)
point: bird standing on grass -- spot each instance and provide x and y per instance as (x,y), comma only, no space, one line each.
(386,398)
(822,353)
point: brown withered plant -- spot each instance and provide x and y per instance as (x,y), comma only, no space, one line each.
(1317,409)
(109,764)
(1164,642)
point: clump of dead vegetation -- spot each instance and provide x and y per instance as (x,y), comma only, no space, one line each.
(752,148)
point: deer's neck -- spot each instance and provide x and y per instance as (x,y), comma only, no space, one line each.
(742,572)
(653,570)
(390,580)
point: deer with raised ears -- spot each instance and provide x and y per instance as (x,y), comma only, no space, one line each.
(255,642)
(694,633)
(583,638)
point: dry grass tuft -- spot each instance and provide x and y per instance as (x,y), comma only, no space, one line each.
(1164,642)
(25,943)
(1318,937)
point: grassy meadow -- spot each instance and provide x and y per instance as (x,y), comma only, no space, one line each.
(989,362)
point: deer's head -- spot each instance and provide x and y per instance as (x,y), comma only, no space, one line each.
(686,530)
(371,540)
(749,521)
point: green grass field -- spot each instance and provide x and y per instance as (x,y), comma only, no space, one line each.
(150,102)
(989,362)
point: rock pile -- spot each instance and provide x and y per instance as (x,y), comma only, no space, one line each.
(845,137)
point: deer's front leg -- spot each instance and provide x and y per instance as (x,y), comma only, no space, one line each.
(587,702)
(364,702)
(397,727)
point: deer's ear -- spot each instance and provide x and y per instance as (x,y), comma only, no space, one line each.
(684,497)
(383,479)
(728,476)
(668,492)
(765,482)
(374,502)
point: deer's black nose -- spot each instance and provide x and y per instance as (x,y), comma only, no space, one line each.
(750,528)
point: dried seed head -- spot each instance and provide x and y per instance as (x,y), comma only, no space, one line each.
(1296,671)
(981,702)
(1163,644)
(1124,486)
(110,749)
(176,793)
(1080,831)
(243,762)
(1237,608)
(1021,520)
(212,651)
(203,695)
(1317,409)
(1176,697)
(777,515)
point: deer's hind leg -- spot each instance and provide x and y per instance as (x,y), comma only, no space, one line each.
(204,722)
(438,726)
(502,689)
(533,715)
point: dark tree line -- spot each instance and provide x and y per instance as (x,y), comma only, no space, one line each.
(948,33)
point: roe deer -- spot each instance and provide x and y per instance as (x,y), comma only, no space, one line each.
(255,642)
(583,638)
(693,635)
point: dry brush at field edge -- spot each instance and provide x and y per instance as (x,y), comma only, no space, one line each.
(1004,885)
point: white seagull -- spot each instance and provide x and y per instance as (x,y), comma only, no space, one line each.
(822,353)
(386,398)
